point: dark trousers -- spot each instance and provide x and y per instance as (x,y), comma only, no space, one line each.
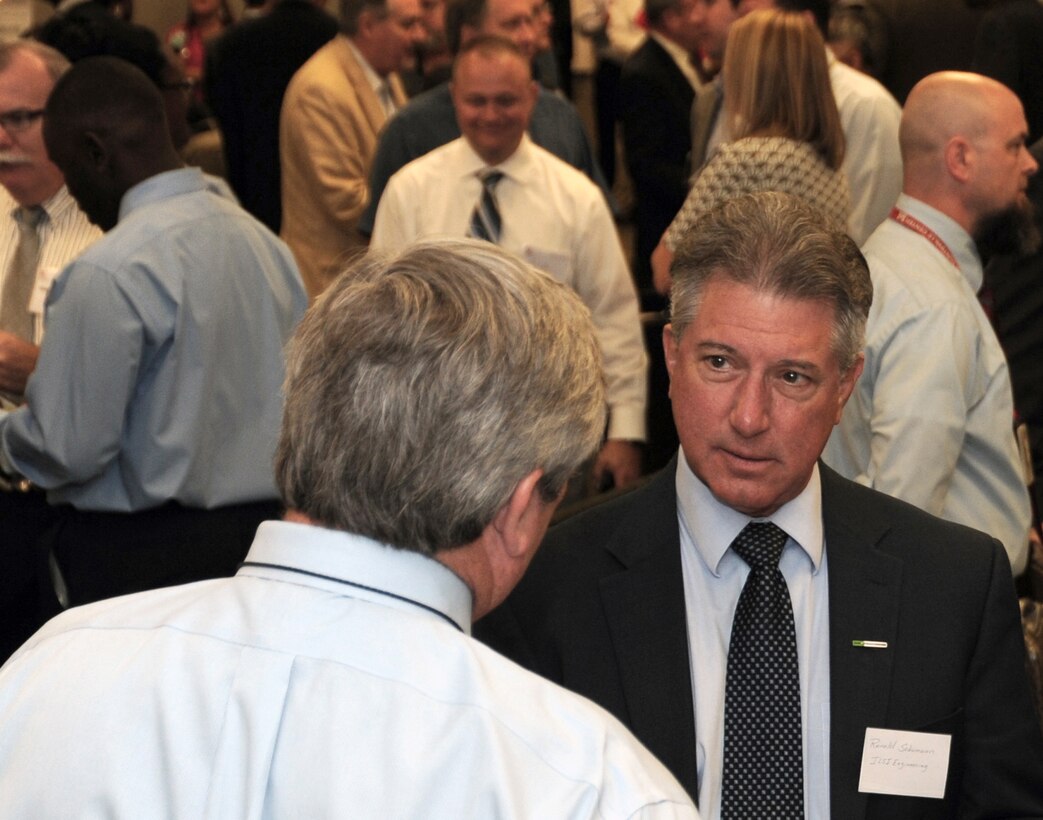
(101,555)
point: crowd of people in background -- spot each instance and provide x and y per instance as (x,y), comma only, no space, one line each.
(744,297)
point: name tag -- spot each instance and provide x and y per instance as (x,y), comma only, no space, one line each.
(556,264)
(41,287)
(910,764)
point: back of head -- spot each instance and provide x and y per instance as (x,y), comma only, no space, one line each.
(776,83)
(111,98)
(939,107)
(460,13)
(422,387)
(775,243)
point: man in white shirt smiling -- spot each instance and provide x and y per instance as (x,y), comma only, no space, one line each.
(550,214)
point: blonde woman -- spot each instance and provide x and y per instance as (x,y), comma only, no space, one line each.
(782,124)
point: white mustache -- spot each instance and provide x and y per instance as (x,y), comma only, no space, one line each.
(9,158)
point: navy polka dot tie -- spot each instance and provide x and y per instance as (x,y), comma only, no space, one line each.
(763,764)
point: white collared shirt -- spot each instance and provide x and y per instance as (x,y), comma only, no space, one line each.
(713,579)
(553,217)
(333,676)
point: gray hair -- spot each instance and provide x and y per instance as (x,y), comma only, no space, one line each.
(54,61)
(777,244)
(422,387)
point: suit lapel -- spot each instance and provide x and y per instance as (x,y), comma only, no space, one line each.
(864,587)
(356,77)
(645,611)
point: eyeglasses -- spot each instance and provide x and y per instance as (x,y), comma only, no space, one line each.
(18,120)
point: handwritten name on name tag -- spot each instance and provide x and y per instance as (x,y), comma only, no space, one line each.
(911,764)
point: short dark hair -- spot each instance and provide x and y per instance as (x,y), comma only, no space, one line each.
(460,13)
(351,10)
(490,45)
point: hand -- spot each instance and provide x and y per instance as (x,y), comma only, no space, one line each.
(17,361)
(620,459)
(662,259)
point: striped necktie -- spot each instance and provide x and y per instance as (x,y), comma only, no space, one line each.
(20,277)
(485,219)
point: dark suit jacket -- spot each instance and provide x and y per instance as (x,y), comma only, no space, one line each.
(247,72)
(602,612)
(655,101)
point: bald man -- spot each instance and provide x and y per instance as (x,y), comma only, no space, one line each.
(931,420)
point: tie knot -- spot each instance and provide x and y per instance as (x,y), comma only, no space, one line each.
(489,177)
(760,544)
(30,217)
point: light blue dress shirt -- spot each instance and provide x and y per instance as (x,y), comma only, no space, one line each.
(160,378)
(332,677)
(713,579)
(931,419)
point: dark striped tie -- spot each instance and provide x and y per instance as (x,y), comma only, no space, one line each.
(485,219)
(763,773)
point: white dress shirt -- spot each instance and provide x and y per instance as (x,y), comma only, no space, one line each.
(713,579)
(931,418)
(554,217)
(870,117)
(64,234)
(332,677)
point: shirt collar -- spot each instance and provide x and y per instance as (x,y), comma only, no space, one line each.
(54,206)
(514,167)
(162,186)
(712,526)
(343,559)
(376,82)
(959,242)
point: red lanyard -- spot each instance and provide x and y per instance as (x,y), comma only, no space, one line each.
(915,225)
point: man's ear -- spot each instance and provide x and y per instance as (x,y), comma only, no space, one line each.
(96,151)
(670,350)
(848,380)
(959,158)
(522,521)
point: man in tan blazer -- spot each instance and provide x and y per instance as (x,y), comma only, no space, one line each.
(333,110)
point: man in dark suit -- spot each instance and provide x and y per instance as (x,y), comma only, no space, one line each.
(247,72)
(901,622)
(657,86)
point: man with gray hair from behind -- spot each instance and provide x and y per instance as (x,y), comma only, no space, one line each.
(436,403)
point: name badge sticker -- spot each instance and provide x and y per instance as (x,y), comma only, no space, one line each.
(910,764)
(41,287)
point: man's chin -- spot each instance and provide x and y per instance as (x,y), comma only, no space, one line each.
(1010,231)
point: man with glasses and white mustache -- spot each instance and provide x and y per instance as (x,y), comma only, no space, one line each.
(41,227)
